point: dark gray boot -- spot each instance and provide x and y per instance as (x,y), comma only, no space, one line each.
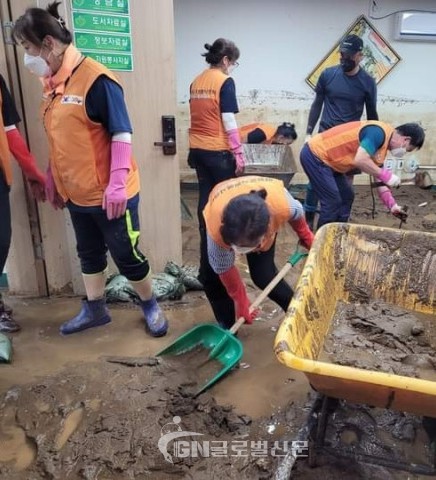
(93,314)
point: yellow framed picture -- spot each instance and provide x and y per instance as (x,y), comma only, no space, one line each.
(379,57)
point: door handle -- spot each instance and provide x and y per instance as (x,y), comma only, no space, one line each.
(168,142)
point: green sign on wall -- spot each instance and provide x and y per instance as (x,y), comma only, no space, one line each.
(113,61)
(96,22)
(115,6)
(103,42)
(102,31)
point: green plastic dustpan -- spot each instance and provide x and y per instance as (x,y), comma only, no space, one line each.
(5,349)
(208,337)
(224,347)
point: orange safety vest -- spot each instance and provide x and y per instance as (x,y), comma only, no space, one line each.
(268,129)
(80,149)
(220,196)
(5,154)
(337,146)
(207,129)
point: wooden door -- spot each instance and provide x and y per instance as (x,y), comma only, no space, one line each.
(150,92)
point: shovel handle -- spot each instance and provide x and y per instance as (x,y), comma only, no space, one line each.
(292,260)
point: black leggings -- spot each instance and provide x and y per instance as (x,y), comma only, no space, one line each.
(212,168)
(5,221)
(95,234)
(262,270)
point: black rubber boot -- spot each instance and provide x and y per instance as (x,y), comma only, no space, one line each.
(93,314)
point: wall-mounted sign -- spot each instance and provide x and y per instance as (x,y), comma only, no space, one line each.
(102,30)
(113,6)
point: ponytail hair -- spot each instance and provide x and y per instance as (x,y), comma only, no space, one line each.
(219,49)
(37,23)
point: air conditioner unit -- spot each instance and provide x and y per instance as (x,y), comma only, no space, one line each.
(417,26)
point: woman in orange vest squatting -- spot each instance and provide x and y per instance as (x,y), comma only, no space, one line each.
(243,216)
(91,168)
(266,133)
(11,141)
(328,156)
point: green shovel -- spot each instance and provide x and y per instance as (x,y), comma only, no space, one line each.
(223,345)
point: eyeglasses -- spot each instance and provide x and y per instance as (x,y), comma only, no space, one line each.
(235,65)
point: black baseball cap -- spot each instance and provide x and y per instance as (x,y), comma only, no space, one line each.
(351,44)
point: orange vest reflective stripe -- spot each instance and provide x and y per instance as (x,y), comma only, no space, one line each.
(268,129)
(207,129)
(5,154)
(222,193)
(337,146)
(80,149)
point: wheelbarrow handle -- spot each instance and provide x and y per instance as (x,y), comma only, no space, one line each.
(292,260)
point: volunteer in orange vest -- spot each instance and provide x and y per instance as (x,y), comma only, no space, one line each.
(243,216)
(91,168)
(328,156)
(11,141)
(215,149)
(266,133)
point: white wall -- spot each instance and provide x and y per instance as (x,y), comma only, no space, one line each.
(281,41)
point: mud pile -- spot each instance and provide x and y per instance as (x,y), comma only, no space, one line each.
(382,337)
(104,420)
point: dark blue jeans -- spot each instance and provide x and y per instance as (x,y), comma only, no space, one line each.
(5,221)
(95,235)
(334,190)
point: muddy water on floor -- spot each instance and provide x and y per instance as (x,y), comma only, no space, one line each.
(15,446)
(257,388)
(70,425)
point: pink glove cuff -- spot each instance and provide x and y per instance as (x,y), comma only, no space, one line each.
(234,141)
(118,179)
(386,197)
(385,175)
(121,156)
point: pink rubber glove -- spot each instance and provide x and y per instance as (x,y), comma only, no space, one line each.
(237,150)
(386,197)
(51,191)
(388,178)
(115,195)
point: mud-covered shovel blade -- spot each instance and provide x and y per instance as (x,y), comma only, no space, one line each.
(5,349)
(207,337)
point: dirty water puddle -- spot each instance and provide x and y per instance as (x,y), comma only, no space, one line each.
(16,447)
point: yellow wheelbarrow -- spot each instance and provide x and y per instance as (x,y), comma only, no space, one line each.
(385,264)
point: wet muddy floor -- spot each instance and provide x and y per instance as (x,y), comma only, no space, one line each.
(97,405)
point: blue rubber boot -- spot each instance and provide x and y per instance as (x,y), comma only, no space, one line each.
(155,320)
(93,314)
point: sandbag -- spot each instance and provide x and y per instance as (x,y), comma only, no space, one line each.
(187,273)
(168,285)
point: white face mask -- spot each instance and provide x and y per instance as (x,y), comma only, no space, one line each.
(37,65)
(398,152)
(242,250)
